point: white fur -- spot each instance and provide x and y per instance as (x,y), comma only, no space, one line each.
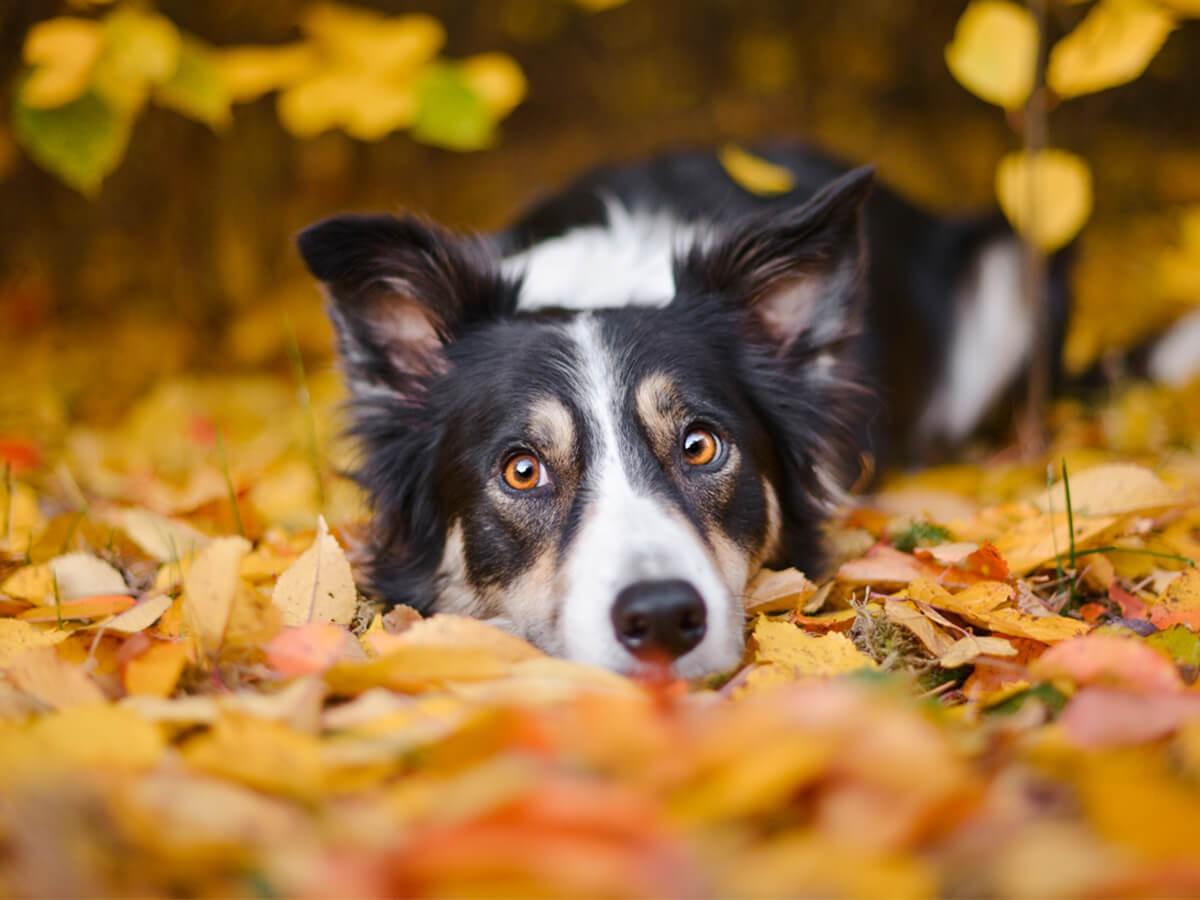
(1175,359)
(628,536)
(993,336)
(627,261)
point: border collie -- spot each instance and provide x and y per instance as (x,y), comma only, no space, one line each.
(593,428)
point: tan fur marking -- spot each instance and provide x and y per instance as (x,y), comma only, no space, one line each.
(552,426)
(660,410)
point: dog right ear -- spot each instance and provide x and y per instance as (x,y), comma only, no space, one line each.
(399,290)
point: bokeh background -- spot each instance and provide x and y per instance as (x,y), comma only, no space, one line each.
(182,259)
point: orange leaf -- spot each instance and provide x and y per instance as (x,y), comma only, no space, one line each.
(84,608)
(155,672)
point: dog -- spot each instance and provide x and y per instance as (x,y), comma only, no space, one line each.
(594,427)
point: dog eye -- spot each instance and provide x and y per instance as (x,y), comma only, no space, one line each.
(524,471)
(700,447)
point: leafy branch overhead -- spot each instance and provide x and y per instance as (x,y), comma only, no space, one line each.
(87,81)
(994,55)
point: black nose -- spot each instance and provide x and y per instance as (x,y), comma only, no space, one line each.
(657,619)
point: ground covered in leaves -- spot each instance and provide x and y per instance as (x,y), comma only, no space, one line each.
(991,694)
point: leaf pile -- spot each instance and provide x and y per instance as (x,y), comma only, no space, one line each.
(991,694)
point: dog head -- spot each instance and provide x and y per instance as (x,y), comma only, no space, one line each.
(606,482)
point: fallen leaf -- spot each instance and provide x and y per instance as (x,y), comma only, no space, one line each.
(55,682)
(882,565)
(1038,541)
(261,754)
(319,586)
(1180,604)
(141,616)
(155,673)
(1098,717)
(463,632)
(1180,643)
(783,644)
(85,608)
(209,586)
(934,639)
(1110,490)
(312,647)
(80,575)
(414,668)
(776,591)
(103,736)
(17,637)
(164,539)
(1109,660)
(969,648)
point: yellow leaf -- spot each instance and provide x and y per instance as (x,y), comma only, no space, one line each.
(1036,541)
(250,72)
(21,521)
(1111,490)
(496,78)
(804,654)
(141,45)
(969,648)
(1047,196)
(164,539)
(1183,7)
(101,735)
(414,668)
(141,616)
(1111,46)
(984,604)
(460,631)
(365,40)
(209,587)
(755,174)
(55,682)
(365,106)
(156,672)
(935,639)
(259,753)
(762,780)
(772,591)
(63,51)
(84,608)
(994,52)
(32,583)
(317,587)
(17,637)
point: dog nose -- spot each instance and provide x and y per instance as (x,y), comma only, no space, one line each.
(659,619)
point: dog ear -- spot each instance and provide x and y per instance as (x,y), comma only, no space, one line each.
(399,290)
(797,272)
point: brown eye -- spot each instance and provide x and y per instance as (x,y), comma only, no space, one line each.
(523,472)
(700,447)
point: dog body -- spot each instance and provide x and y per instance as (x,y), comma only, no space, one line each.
(594,427)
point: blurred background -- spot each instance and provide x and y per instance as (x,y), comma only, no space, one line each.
(157,159)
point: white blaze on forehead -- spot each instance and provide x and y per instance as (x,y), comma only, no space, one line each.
(627,261)
(628,535)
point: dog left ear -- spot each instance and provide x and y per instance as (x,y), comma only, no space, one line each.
(400,290)
(797,272)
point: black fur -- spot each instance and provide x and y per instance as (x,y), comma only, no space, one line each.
(434,419)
